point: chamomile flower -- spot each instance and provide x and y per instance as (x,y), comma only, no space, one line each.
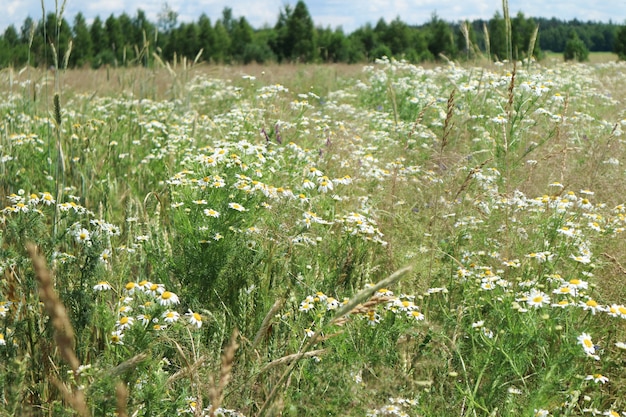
(167,298)
(116,337)
(170,316)
(83,236)
(591,305)
(2,341)
(211,213)
(597,378)
(194,318)
(124,323)
(102,286)
(236,206)
(105,256)
(585,341)
(537,299)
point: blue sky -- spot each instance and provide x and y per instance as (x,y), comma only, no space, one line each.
(349,14)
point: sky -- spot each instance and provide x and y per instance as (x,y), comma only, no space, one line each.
(349,14)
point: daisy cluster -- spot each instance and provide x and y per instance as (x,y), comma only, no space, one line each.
(147,305)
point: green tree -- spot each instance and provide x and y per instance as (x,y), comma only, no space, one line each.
(440,38)
(241,36)
(575,48)
(114,37)
(222,43)
(497,37)
(619,46)
(206,37)
(301,32)
(83,48)
(333,45)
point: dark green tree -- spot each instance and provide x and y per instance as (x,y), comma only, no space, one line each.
(619,47)
(242,36)
(222,43)
(82,51)
(575,48)
(206,37)
(301,32)
(440,38)
(497,37)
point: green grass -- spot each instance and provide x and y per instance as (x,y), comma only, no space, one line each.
(176,209)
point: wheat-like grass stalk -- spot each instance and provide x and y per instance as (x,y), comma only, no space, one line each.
(447,125)
(289,358)
(216,394)
(487,42)
(265,325)
(63,330)
(531,44)
(121,396)
(360,297)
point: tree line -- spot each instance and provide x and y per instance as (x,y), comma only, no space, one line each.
(124,40)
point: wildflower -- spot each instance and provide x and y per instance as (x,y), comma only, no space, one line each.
(592,305)
(130,287)
(105,256)
(585,341)
(306,306)
(373,318)
(124,323)
(83,236)
(414,314)
(325,185)
(47,199)
(116,337)
(236,206)
(611,413)
(194,318)
(597,378)
(102,286)
(167,298)
(171,316)
(309,332)
(621,345)
(144,319)
(331,303)
(537,299)
(583,259)
(211,213)
(541,413)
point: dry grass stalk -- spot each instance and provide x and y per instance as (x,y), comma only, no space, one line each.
(127,364)
(289,358)
(265,325)
(228,358)
(121,395)
(447,125)
(360,297)
(469,177)
(63,331)
(75,399)
(362,309)
(615,261)
(188,371)
(366,293)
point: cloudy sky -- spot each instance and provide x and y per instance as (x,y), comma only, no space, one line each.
(349,14)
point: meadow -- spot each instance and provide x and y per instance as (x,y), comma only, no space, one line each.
(393,239)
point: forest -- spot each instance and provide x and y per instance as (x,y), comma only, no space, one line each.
(126,40)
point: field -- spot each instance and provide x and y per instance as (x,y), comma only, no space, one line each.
(314,240)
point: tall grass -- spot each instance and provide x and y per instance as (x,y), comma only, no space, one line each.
(401,239)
